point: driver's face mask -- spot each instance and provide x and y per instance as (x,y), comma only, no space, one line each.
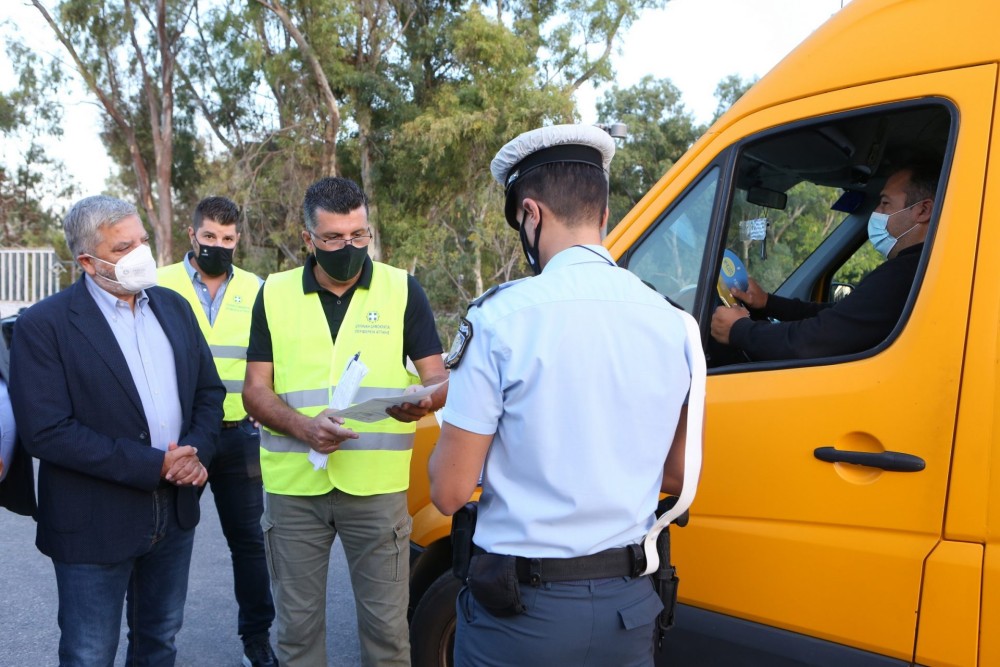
(878,230)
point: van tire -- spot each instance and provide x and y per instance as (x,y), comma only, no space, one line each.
(432,630)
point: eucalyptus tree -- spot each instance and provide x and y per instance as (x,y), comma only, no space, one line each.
(125,51)
(660,130)
(33,183)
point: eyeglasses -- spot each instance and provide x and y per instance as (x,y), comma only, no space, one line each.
(359,241)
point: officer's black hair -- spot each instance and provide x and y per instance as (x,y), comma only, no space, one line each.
(332,194)
(576,192)
(219,209)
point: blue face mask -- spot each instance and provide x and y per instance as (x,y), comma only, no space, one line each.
(878,232)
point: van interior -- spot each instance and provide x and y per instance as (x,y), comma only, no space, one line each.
(796,202)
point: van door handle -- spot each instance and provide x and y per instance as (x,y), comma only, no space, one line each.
(891,461)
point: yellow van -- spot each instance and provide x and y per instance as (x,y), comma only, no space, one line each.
(794,555)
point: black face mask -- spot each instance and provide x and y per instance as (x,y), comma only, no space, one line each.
(343,264)
(214,260)
(531,253)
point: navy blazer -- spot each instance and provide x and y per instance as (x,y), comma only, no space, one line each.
(78,411)
(17,490)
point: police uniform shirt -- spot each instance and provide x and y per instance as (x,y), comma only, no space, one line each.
(579,374)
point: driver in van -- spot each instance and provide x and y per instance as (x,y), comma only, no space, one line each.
(863,319)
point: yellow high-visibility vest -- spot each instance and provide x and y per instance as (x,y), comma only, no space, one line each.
(307,367)
(229,338)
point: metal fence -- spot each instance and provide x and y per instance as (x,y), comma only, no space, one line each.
(27,275)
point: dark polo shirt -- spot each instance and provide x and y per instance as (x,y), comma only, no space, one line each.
(420,338)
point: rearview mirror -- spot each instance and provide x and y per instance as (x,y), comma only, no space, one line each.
(767,197)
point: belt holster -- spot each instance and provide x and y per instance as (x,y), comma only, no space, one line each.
(463,526)
(665,579)
(493,582)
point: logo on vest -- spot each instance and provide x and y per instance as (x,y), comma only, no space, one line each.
(235,305)
(370,325)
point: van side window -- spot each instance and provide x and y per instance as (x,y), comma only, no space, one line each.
(669,257)
(798,222)
(795,220)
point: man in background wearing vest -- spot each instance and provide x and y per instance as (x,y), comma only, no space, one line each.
(222,297)
(308,324)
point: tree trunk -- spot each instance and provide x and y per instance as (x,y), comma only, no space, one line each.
(158,209)
(364,119)
(329,160)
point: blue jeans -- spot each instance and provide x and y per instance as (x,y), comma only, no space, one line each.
(234,474)
(154,584)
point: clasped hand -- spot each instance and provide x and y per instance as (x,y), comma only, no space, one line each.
(182,467)
(325,432)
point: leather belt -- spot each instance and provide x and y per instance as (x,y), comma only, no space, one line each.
(226,424)
(622,562)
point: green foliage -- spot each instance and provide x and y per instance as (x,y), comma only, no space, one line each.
(859,265)
(660,131)
(450,226)
(730,89)
(28,188)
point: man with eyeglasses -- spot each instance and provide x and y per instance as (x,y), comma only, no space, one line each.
(308,325)
(865,317)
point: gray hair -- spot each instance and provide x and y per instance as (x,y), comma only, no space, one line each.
(87,216)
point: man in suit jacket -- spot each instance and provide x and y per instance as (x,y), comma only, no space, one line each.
(115,392)
(17,476)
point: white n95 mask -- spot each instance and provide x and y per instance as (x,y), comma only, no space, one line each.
(135,271)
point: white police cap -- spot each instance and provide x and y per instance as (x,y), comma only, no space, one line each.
(556,143)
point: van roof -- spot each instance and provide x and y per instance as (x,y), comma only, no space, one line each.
(875,40)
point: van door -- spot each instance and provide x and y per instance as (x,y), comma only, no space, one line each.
(784,549)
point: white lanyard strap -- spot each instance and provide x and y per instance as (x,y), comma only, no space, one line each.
(692,448)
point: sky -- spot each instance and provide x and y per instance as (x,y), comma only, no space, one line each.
(697,43)
(694,43)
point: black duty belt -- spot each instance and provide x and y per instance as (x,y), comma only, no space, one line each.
(622,562)
(226,424)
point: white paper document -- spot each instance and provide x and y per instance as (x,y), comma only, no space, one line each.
(374,409)
(343,394)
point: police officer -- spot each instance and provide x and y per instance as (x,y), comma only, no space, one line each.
(309,323)
(222,297)
(574,381)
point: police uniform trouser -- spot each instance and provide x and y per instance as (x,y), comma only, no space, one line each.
(588,623)
(375,531)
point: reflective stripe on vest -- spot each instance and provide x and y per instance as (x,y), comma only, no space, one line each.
(307,366)
(309,397)
(399,442)
(229,338)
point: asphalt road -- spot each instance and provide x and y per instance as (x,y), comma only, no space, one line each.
(29,634)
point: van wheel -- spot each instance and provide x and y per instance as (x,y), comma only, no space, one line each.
(432,631)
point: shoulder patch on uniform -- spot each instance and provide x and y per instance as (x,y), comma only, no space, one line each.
(462,338)
(478,301)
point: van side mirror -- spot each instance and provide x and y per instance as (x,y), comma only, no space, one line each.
(840,291)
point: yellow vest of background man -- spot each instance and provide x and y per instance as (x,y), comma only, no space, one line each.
(229,338)
(307,367)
